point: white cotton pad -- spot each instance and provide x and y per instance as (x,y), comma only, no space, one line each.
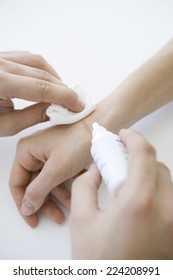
(58,114)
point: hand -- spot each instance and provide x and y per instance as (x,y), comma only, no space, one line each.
(27,76)
(139,223)
(43,161)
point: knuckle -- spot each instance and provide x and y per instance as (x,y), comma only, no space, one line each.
(20,143)
(13,184)
(149,149)
(143,204)
(32,195)
(162,167)
(21,147)
(43,88)
(39,61)
(44,75)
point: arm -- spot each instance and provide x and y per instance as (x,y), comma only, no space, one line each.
(52,156)
(144,91)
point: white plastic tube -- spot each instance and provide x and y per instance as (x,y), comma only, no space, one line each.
(110,156)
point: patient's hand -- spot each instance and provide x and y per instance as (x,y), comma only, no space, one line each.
(43,161)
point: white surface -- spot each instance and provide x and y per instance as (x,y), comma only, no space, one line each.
(58,114)
(96,42)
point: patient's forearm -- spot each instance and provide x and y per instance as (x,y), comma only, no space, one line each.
(144,91)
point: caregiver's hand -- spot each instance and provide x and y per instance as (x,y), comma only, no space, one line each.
(27,76)
(139,222)
(43,161)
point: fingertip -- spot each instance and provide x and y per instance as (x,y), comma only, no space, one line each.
(76,104)
(93,172)
(51,210)
(58,216)
(81,105)
(60,219)
(32,220)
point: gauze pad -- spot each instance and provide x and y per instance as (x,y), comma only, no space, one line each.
(58,114)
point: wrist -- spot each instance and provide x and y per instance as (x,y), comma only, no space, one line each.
(110,113)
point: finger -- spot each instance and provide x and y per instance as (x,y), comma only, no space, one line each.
(6,106)
(165,192)
(80,173)
(32,60)
(164,179)
(42,185)
(62,195)
(19,179)
(141,162)
(17,120)
(84,199)
(39,91)
(52,211)
(37,190)
(27,71)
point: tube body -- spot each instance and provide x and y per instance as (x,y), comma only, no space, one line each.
(110,156)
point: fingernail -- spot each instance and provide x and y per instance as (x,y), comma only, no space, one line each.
(81,105)
(27,209)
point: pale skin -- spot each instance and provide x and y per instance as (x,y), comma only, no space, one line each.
(27,76)
(47,158)
(138,224)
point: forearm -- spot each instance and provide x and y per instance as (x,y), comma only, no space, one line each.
(144,91)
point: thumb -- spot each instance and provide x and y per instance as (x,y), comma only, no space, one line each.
(85,193)
(18,120)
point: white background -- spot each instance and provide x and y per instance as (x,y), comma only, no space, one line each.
(94,42)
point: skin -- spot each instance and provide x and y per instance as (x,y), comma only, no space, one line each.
(138,224)
(30,77)
(46,159)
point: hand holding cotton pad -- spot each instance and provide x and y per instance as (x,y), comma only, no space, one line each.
(58,114)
